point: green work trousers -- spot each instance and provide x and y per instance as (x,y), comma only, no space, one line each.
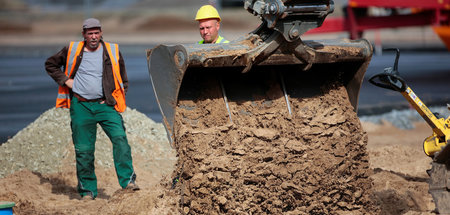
(85,116)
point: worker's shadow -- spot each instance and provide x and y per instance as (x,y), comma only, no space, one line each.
(61,186)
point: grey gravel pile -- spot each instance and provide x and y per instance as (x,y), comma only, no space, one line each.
(45,144)
(403,119)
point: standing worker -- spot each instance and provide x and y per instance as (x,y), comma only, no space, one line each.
(209,24)
(93,86)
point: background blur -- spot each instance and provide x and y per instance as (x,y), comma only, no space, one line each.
(33,30)
(50,22)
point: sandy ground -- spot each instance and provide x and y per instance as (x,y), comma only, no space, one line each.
(400,165)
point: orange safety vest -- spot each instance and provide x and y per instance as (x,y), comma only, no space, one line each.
(75,48)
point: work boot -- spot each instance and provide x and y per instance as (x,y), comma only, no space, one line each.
(87,198)
(132,186)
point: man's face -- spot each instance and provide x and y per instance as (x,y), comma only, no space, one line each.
(209,30)
(92,37)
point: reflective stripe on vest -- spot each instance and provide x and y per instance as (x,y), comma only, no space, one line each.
(220,39)
(119,92)
(63,98)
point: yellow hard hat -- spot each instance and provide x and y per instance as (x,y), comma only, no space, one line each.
(207,12)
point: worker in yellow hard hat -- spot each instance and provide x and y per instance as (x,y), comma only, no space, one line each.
(209,24)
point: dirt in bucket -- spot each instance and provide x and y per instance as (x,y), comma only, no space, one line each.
(255,158)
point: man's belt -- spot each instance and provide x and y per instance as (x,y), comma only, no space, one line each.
(81,99)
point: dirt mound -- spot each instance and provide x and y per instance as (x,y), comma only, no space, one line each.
(35,193)
(37,169)
(266,161)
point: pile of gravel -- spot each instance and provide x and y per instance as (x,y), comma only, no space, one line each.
(46,146)
(404,119)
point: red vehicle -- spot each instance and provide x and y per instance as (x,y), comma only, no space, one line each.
(398,13)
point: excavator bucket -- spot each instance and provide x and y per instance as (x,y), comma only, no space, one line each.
(267,123)
(273,57)
(234,72)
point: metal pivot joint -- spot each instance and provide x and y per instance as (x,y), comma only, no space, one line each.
(291,18)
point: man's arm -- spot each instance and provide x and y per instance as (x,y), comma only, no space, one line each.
(123,72)
(53,67)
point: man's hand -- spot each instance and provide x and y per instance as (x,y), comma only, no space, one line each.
(69,83)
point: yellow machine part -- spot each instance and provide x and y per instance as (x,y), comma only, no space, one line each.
(440,126)
(431,145)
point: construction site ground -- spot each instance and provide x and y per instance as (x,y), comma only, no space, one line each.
(38,171)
